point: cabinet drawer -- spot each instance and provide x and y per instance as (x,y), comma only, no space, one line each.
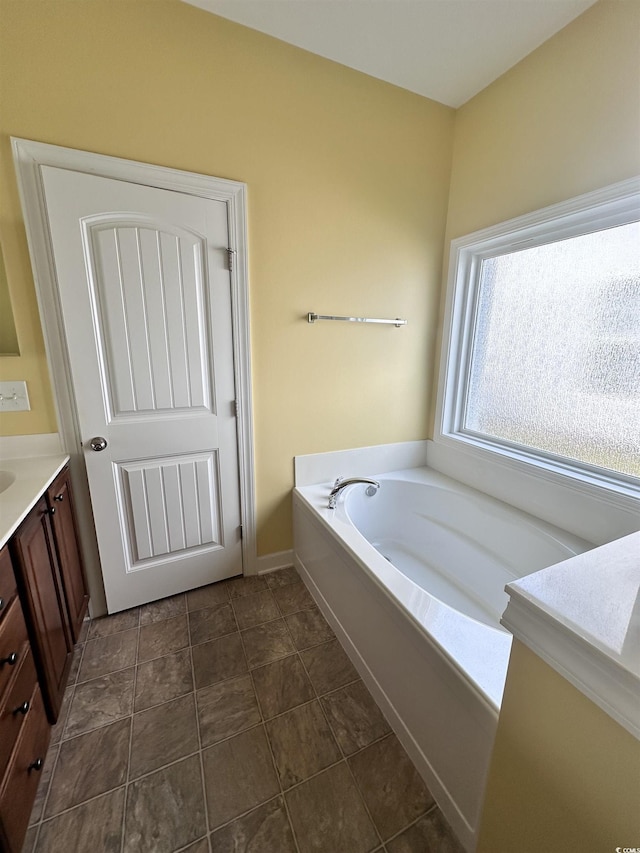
(16,707)
(7,582)
(13,643)
(21,780)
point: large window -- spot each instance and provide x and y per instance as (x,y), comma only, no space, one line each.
(542,361)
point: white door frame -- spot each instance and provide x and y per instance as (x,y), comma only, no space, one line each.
(29,156)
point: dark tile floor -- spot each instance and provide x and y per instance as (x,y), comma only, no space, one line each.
(226,720)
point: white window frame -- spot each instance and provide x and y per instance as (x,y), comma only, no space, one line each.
(614,205)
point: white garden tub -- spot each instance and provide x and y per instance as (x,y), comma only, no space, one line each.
(412,580)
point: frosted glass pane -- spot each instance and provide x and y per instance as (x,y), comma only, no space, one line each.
(556,350)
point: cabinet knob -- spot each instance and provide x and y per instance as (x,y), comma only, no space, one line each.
(2,603)
(36,765)
(10,659)
(59,497)
(51,510)
(22,709)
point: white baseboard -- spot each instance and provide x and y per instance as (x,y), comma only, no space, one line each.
(272,562)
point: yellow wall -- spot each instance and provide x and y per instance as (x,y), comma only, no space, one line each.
(347,185)
(564,121)
(564,776)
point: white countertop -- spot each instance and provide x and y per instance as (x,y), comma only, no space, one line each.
(582,616)
(33,475)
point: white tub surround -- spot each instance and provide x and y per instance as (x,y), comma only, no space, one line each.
(22,483)
(411,579)
(359,462)
(583,618)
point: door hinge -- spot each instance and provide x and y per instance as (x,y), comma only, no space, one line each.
(230,258)
(240,531)
(236,408)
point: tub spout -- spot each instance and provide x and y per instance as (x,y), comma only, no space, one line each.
(339,485)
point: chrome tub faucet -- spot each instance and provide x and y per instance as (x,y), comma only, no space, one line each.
(340,484)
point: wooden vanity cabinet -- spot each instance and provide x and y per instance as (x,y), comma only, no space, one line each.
(43,601)
(38,575)
(24,727)
(62,515)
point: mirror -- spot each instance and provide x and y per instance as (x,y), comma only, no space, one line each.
(8,336)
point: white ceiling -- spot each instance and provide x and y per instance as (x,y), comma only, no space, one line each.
(448,50)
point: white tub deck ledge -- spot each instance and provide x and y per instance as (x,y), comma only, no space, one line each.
(582,617)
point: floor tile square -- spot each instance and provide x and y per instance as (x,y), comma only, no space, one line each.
(328,666)
(163,679)
(226,708)
(163,734)
(302,743)
(201,846)
(354,717)
(108,654)
(93,826)
(158,804)
(245,586)
(309,628)
(164,608)
(267,642)
(281,577)
(208,596)
(106,625)
(429,834)
(211,622)
(390,785)
(264,830)
(217,660)
(239,775)
(89,765)
(293,597)
(328,815)
(162,638)
(100,701)
(282,685)
(255,608)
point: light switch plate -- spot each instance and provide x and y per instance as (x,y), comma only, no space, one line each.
(14,397)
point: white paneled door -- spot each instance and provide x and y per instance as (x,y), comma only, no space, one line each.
(146,301)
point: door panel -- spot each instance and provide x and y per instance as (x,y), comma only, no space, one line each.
(172,505)
(149,292)
(146,304)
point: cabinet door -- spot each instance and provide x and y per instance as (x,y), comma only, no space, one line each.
(20,783)
(43,602)
(60,501)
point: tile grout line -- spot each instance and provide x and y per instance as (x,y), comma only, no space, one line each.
(271,753)
(342,753)
(72,688)
(128,773)
(431,808)
(81,648)
(200,748)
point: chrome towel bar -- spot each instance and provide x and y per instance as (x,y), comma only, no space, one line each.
(312,317)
